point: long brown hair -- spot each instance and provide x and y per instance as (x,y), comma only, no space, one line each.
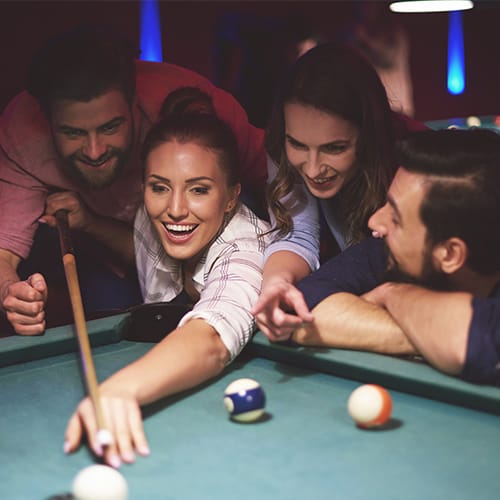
(338,80)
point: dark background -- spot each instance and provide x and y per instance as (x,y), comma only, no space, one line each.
(188,36)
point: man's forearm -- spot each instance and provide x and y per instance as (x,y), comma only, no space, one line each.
(8,274)
(437,323)
(346,321)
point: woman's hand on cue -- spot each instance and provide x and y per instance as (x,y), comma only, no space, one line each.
(123,418)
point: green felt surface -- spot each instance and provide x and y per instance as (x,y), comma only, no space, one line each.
(415,377)
(307,447)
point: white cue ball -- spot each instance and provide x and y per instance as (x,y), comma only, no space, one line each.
(370,405)
(99,482)
(244,400)
(473,121)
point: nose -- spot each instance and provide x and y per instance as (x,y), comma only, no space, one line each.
(378,221)
(312,166)
(94,147)
(177,207)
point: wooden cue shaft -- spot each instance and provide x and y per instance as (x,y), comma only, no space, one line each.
(78,314)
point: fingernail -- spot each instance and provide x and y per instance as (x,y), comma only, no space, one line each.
(128,456)
(66,447)
(98,449)
(143,450)
(115,461)
(42,221)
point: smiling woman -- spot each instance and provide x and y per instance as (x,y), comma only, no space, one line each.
(186,197)
(330,142)
(195,244)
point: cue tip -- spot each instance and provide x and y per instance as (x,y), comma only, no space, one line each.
(104,437)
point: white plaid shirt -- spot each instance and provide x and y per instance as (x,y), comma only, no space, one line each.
(228,277)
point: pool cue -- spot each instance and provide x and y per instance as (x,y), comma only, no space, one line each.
(68,257)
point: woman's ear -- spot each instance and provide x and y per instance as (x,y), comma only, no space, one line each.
(451,255)
(234,193)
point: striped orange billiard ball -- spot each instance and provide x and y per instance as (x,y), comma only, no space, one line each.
(370,405)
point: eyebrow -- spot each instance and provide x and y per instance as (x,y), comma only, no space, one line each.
(117,120)
(192,180)
(326,144)
(394,206)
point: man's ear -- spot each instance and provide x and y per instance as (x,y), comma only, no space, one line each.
(451,255)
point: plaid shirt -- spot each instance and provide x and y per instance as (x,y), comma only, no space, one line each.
(228,277)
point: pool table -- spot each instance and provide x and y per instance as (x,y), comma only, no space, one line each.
(485,121)
(442,442)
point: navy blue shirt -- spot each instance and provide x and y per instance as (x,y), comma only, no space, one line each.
(361,268)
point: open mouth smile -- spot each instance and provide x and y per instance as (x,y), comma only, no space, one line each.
(180,228)
(179,232)
(323,180)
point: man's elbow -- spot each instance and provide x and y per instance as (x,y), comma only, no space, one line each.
(452,361)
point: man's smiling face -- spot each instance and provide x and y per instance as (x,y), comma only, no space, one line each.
(94,138)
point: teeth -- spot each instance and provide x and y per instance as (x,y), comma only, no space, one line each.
(180,228)
(322,181)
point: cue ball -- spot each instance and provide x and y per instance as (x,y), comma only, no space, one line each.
(244,400)
(99,482)
(369,406)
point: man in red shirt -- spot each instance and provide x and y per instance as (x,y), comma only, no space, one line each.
(73,142)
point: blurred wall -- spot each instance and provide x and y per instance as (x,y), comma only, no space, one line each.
(188,33)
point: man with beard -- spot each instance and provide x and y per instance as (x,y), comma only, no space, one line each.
(73,142)
(428,282)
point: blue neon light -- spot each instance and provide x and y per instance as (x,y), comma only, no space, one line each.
(151,49)
(456,68)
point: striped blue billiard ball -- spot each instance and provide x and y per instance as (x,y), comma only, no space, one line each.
(244,400)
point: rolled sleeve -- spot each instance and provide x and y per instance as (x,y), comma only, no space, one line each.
(231,291)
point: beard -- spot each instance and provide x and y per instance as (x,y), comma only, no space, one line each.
(95,178)
(430,278)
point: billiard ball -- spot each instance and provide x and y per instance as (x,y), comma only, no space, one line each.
(473,121)
(244,400)
(369,406)
(99,482)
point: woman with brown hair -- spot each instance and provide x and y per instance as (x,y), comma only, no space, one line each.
(330,141)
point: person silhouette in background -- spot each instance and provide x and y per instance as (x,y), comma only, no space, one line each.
(381,38)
